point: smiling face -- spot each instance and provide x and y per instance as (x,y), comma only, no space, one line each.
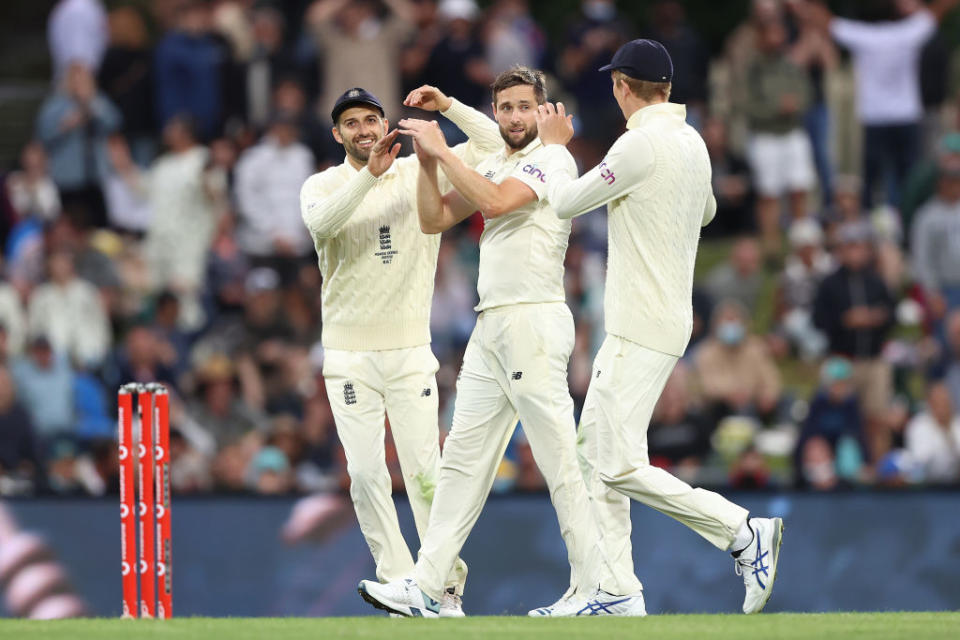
(358,130)
(516,108)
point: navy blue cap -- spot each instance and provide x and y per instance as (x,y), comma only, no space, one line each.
(643,60)
(352,98)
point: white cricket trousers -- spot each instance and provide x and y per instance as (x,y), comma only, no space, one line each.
(612,444)
(363,387)
(515,366)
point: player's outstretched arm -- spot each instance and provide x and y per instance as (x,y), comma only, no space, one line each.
(482,132)
(437,213)
(627,163)
(325,210)
(492,199)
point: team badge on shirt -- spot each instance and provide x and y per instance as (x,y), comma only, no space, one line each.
(387,251)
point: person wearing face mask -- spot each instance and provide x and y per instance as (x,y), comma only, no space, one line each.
(737,375)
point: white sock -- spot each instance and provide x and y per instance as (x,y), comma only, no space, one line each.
(742,538)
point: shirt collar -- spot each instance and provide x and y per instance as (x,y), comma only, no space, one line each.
(527,150)
(392,171)
(641,116)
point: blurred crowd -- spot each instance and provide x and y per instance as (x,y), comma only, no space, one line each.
(151,231)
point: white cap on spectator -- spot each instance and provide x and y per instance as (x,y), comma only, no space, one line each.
(805,233)
(458,9)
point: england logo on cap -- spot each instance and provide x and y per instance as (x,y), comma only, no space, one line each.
(353,93)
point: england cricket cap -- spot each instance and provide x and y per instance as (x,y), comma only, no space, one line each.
(643,60)
(352,98)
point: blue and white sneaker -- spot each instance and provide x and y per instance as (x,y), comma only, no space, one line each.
(566,606)
(600,603)
(403,597)
(758,562)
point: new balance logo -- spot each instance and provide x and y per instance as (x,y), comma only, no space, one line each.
(425,393)
(516,375)
(489,174)
(349,395)
(598,373)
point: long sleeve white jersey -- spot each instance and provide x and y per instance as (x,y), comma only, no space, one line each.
(378,267)
(655,181)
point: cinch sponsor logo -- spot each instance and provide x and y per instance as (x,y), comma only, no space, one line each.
(607,173)
(536,173)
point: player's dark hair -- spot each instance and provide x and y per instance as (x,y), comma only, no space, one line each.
(521,75)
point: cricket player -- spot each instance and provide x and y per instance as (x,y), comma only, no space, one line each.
(655,181)
(515,364)
(378,272)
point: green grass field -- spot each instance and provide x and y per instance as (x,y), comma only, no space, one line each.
(871,626)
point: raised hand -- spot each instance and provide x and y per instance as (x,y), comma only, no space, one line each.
(383,154)
(426,134)
(554,126)
(428,98)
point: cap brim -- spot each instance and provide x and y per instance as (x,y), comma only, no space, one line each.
(356,103)
(607,67)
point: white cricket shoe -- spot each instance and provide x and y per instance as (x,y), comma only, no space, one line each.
(600,603)
(451,606)
(566,606)
(400,596)
(757,563)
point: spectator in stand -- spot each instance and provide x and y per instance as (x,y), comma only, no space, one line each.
(935,245)
(128,203)
(358,49)
(141,358)
(933,439)
(512,36)
(854,309)
(590,43)
(739,278)
(429,31)
(267,192)
(806,266)
(218,409)
(45,386)
(73,126)
(127,79)
(814,51)
(679,436)
(458,63)
(731,182)
(189,65)
(32,191)
(835,417)
(21,466)
(184,218)
(77,32)
(12,320)
(69,311)
(669,27)
(816,468)
(290,98)
(886,57)
(951,366)
(922,182)
(270,472)
(736,373)
(779,151)
(271,61)
(189,469)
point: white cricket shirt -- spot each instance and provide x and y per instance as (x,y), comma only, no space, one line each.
(521,253)
(378,267)
(655,181)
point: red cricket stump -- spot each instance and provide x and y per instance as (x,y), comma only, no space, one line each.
(162,460)
(148,551)
(148,563)
(128,527)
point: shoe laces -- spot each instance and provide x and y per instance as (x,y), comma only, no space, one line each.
(451,600)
